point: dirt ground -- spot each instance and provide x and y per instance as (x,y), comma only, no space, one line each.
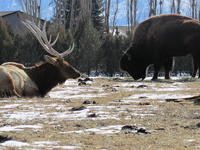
(106,113)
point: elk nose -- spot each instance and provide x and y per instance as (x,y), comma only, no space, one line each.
(77,74)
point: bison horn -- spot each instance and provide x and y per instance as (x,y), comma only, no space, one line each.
(128,55)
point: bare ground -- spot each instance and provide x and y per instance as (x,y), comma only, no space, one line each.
(54,123)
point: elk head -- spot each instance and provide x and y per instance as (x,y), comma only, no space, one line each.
(66,70)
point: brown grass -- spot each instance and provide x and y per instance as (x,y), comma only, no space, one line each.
(171,125)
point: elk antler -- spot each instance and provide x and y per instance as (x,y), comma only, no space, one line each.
(42,38)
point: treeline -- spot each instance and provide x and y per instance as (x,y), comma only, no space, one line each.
(94,52)
(98,48)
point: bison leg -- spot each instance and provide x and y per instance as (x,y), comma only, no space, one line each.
(156,71)
(195,69)
(157,66)
(155,76)
(168,66)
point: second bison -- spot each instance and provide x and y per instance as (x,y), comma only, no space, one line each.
(157,40)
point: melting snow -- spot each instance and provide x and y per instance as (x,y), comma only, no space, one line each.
(18,128)
(34,110)
(12,143)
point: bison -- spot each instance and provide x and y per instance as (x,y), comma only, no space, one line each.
(18,80)
(157,40)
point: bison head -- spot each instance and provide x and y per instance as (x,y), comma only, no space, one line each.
(134,65)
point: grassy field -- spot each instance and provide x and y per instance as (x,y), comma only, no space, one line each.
(117,112)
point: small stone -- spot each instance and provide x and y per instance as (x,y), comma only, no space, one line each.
(142,86)
(92,115)
(87,102)
(129,127)
(78,108)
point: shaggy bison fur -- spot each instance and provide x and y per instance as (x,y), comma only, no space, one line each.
(157,40)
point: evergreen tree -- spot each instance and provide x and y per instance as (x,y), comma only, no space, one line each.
(109,56)
(89,45)
(65,40)
(97,18)
(28,49)
(6,42)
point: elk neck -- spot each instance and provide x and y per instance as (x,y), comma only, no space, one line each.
(46,76)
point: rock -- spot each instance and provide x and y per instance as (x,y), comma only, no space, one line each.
(143,97)
(111,89)
(78,108)
(197,102)
(84,81)
(68,101)
(92,115)
(129,127)
(146,103)
(78,125)
(105,85)
(198,125)
(173,100)
(160,128)
(119,101)
(87,102)
(4,138)
(88,79)
(143,130)
(142,86)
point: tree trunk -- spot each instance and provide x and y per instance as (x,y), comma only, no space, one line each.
(135,12)
(32,8)
(107,14)
(115,15)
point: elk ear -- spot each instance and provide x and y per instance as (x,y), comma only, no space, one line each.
(49,59)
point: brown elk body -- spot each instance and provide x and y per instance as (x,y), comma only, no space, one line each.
(157,40)
(18,80)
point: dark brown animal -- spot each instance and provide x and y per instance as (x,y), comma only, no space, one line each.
(157,40)
(18,80)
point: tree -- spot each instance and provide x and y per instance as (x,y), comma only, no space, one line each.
(73,13)
(89,45)
(64,41)
(152,7)
(97,18)
(173,7)
(59,11)
(128,12)
(31,7)
(183,65)
(135,11)
(108,55)
(115,15)
(28,49)
(161,3)
(6,42)
(193,4)
(107,14)
(178,7)
(131,14)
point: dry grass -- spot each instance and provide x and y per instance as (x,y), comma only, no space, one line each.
(171,125)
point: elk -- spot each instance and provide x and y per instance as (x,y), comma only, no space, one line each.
(18,80)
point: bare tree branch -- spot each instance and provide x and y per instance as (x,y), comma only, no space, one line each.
(31,7)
